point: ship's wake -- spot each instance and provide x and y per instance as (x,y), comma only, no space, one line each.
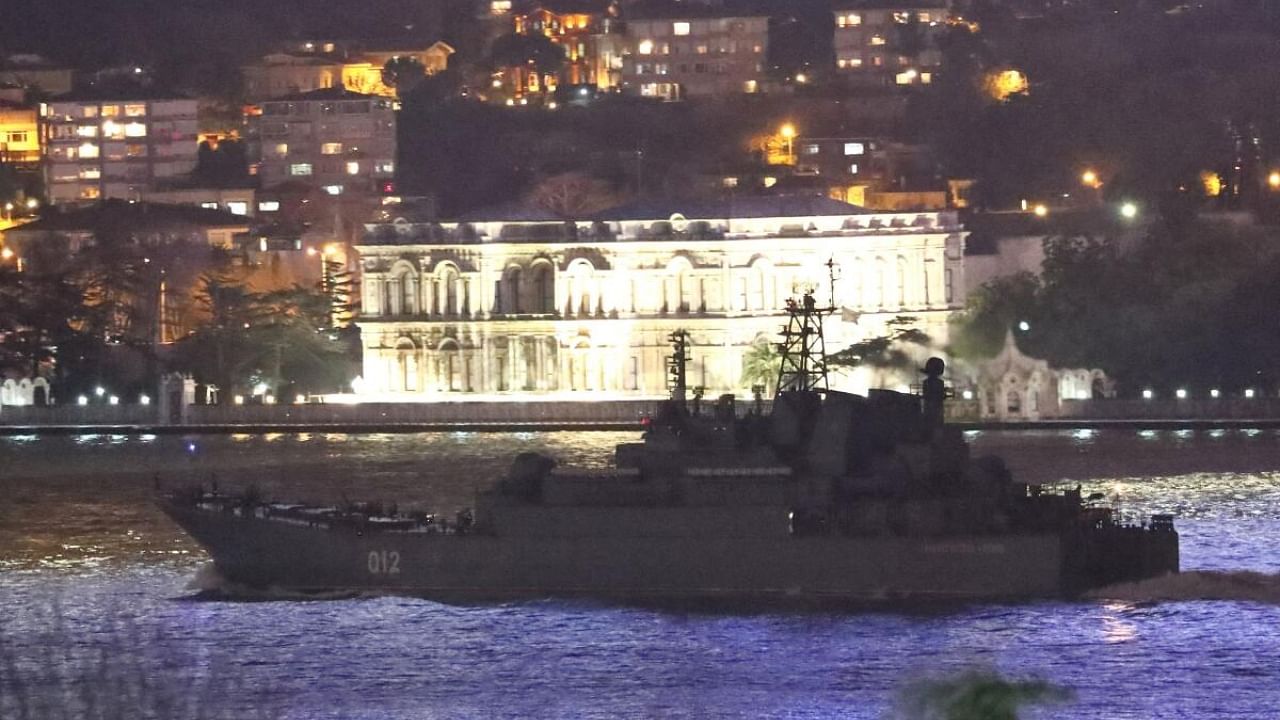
(1237,585)
(209,584)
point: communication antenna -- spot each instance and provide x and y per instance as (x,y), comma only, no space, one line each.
(677,366)
(804,349)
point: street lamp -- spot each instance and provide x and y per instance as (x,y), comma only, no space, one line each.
(1129,211)
(1273,180)
(1090,178)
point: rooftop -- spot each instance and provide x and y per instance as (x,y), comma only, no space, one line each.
(329,93)
(132,216)
(664,9)
(120,92)
(843,5)
(763,206)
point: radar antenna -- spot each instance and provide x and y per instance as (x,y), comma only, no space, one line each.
(677,366)
(804,350)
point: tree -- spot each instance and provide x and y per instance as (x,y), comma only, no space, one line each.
(282,339)
(760,366)
(888,351)
(535,51)
(573,194)
(992,310)
(404,74)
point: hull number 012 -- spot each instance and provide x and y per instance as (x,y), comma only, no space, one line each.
(384,562)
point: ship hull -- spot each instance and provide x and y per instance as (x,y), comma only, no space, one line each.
(258,553)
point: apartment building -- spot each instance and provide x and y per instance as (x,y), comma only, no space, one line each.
(341,141)
(116,143)
(878,42)
(693,51)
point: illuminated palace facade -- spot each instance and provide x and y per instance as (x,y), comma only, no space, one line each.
(534,306)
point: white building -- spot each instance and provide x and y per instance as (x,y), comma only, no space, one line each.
(521,303)
(100,144)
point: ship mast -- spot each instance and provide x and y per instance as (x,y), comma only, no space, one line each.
(804,349)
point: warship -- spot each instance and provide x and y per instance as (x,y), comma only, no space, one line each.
(829,498)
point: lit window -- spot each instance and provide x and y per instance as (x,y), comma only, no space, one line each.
(877,39)
(680,28)
(282,149)
(333,189)
(730,182)
(135,150)
(500,7)
(87,131)
(90,193)
(109,111)
(770,181)
(135,129)
(750,86)
(853,169)
(238,207)
(331,149)
(135,110)
(645,47)
(854,148)
(385,166)
(90,173)
(209,205)
(811,149)
(269,206)
(111,129)
(89,111)
(353,168)
(702,49)
(924,17)
(87,151)
(300,169)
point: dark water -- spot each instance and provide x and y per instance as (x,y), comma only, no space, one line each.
(97,617)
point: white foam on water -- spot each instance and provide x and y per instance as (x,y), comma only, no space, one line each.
(1192,585)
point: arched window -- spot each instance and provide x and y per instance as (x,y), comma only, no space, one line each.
(509,300)
(581,288)
(449,281)
(451,366)
(760,286)
(902,282)
(409,293)
(406,366)
(543,288)
(878,279)
(680,289)
(925,278)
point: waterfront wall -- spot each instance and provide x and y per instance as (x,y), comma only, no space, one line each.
(570,413)
(498,413)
